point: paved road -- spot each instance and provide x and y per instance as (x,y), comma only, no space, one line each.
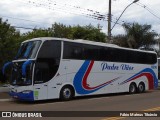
(149,101)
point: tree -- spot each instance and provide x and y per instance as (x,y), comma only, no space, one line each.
(88,32)
(9,41)
(61,31)
(120,40)
(58,30)
(36,33)
(139,35)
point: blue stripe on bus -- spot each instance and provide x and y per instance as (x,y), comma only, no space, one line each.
(79,78)
(146,70)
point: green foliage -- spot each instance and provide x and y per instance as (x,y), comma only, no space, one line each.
(120,40)
(141,34)
(9,41)
(61,31)
(36,33)
(137,36)
(88,32)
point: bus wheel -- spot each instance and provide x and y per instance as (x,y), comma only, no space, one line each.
(66,93)
(141,87)
(132,88)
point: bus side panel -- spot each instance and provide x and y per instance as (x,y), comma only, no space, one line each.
(93,77)
(60,79)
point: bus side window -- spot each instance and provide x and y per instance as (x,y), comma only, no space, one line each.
(72,51)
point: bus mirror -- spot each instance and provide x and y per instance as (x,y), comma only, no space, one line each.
(24,67)
(6,65)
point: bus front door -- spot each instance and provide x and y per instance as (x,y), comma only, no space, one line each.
(40,83)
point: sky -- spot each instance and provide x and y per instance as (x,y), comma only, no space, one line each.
(43,13)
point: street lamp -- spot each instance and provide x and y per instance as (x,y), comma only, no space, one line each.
(121,15)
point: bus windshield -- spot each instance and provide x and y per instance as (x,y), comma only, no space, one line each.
(28,50)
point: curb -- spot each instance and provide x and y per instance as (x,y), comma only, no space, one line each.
(4,89)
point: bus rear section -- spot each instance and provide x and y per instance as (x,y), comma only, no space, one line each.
(158,71)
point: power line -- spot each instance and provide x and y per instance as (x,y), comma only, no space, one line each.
(97,16)
(24,27)
(53,6)
(148,9)
(21,19)
(94,16)
(74,6)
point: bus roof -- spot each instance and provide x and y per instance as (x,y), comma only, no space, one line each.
(86,42)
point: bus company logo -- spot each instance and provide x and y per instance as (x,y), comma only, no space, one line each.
(6,114)
(106,66)
(20,114)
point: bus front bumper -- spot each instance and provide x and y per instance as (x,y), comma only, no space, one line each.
(29,96)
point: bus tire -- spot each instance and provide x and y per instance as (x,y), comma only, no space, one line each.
(132,88)
(141,87)
(67,93)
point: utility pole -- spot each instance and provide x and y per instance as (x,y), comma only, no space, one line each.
(110,18)
(109,21)
(122,13)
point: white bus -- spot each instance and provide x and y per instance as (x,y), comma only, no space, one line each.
(51,68)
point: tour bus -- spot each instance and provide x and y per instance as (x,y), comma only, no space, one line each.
(53,68)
